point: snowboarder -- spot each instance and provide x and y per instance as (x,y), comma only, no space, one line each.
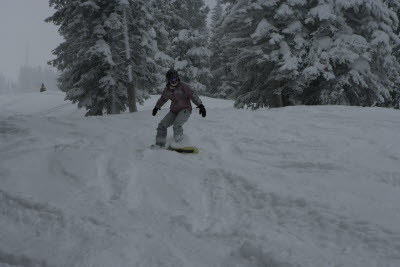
(180,95)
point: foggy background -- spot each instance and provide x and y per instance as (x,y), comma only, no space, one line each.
(26,42)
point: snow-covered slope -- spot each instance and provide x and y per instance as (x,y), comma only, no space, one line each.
(296,186)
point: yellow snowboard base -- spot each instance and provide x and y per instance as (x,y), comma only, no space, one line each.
(188,150)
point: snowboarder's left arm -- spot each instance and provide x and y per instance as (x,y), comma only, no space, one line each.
(192,95)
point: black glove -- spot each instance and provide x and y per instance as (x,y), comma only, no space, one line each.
(155,111)
(202,110)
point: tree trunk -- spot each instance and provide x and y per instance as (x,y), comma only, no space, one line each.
(112,108)
(131,86)
(132,98)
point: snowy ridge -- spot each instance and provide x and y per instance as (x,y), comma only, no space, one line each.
(296,186)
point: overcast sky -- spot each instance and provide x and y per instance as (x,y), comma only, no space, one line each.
(22,30)
(23,33)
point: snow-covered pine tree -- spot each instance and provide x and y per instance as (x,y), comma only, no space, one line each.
(312,52)
(215,44)
(189,48)
(352,51)
(216,61)
(181,36)
(260,61)
(85,58)
(395,103)
(225,80)
(188,36)
(165,20)
(93,57)
(143,44)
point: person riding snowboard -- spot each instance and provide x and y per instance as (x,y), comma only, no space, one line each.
(180,95)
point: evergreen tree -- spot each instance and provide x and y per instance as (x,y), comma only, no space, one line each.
(189,49)
(395,5)
(95,69)
(216,61)
(362,68)
(225,76)
(312,52)
(245,68)
(143,47)
(165,20)
(188,42)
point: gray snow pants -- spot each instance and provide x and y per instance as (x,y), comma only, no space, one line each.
(176,119)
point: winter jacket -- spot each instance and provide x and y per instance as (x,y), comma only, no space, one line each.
(180,97)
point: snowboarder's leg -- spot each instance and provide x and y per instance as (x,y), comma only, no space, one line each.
(181,118)
(162,129)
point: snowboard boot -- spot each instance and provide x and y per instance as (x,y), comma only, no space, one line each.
(158,145)
(178,139)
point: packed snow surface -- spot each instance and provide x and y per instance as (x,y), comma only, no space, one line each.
(295,186)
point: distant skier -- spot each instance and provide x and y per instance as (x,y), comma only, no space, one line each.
(43,88)
(180,95)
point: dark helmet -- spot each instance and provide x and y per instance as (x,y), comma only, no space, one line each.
(171,74)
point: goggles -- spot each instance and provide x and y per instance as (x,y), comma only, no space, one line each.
(174,80)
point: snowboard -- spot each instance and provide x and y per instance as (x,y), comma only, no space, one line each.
(185,150)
